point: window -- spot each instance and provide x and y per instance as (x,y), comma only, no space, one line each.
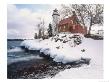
(73,27)
(72,21)
(64,28)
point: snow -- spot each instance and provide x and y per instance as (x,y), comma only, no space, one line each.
(59,51)
(85,72)
(92,71)
(66,52)
(95,28)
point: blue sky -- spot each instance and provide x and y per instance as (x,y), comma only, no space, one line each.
(33,7)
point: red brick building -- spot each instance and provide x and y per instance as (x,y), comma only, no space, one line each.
(70,24)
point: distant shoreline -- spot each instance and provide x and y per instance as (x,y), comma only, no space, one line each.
(18,39)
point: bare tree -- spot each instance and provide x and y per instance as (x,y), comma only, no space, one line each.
(91,13)
(78,9)
(94,14)
(41,28)
(65,11)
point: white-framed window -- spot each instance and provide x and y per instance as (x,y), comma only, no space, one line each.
(73,27)
(64,28)
(72,21)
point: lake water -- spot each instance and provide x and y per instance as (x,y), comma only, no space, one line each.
(21,64)
(16,54)
(28,65)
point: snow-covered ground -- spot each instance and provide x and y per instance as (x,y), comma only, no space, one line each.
(61,48)
(68,52)
(92,71)
(97,29)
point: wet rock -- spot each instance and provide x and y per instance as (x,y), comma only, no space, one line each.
(68,66)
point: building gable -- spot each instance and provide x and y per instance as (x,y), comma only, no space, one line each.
(70,24)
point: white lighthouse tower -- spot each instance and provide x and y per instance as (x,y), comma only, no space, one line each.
(55,22)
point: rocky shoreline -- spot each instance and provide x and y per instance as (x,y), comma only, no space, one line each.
(39,69)
(36,69)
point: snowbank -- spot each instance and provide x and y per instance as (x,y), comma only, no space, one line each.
(60,47)
(92,71)
(84,72)
(97,28)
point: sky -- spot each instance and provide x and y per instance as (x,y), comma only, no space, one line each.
(22,19)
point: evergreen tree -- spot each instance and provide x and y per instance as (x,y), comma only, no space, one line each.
(50,30)
(35,37)
(40,33)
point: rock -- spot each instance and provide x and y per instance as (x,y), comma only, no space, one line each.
(83,50)
(58,47)
(68,66)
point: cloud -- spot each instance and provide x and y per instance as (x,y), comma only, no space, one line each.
(21,23)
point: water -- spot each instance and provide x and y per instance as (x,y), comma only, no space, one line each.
(28,65)
(13,44)
(22,64)
(16,54)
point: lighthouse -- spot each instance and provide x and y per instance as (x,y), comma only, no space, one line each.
(55,22)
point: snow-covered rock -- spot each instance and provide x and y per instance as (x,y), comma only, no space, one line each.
(62,47)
